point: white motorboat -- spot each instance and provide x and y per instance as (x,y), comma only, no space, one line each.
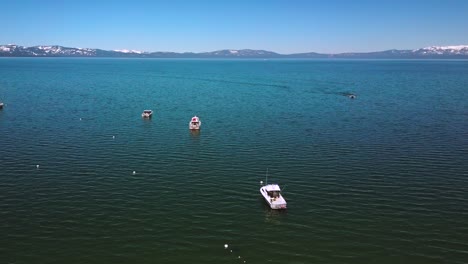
(147,113)
(195,123)
(272,195)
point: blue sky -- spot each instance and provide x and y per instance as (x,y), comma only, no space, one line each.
(289,26)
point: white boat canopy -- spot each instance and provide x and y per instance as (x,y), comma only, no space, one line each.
(272,188)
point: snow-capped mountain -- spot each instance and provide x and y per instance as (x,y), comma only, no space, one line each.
(433,52)
(241,53)
(44,51)
(130,51)
(62,51)
(443,50)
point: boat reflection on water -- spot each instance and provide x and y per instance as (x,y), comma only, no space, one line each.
(272,216)
(194,133)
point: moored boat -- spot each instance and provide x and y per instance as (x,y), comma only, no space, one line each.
(195,123)
(1,105)
(147,113)
(272,195)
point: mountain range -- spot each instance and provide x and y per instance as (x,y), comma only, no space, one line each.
(433,52)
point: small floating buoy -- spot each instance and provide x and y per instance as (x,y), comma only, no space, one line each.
(80,118)
(113,136)
(231,250)
(261,182)
(226,246)
(37,166)
(134,172)
(238,256)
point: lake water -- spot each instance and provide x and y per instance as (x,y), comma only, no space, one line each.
(382,178)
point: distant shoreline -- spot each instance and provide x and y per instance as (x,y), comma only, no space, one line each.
(239,59)
(433,52)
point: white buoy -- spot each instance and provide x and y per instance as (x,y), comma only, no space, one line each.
(134,172)
(80,118)
(113,136)
(261,182)
(37,166)
(226,246)
(231,250)
(238,256)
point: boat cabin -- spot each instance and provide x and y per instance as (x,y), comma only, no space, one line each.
(273,194)
(273,190)
(195,120)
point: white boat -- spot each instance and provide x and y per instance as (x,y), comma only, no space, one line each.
(272,195)
(195,123)
(147,113)
(1,105)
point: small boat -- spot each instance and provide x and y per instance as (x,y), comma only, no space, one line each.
(272,195)
(147,114)
(1,105)
(195,123)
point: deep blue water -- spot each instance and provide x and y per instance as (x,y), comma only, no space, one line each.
(378,179)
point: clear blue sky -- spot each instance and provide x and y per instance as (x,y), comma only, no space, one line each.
(289,26)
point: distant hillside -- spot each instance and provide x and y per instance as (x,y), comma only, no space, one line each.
(433,52)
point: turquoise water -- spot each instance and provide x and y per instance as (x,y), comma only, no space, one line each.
(378,179)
